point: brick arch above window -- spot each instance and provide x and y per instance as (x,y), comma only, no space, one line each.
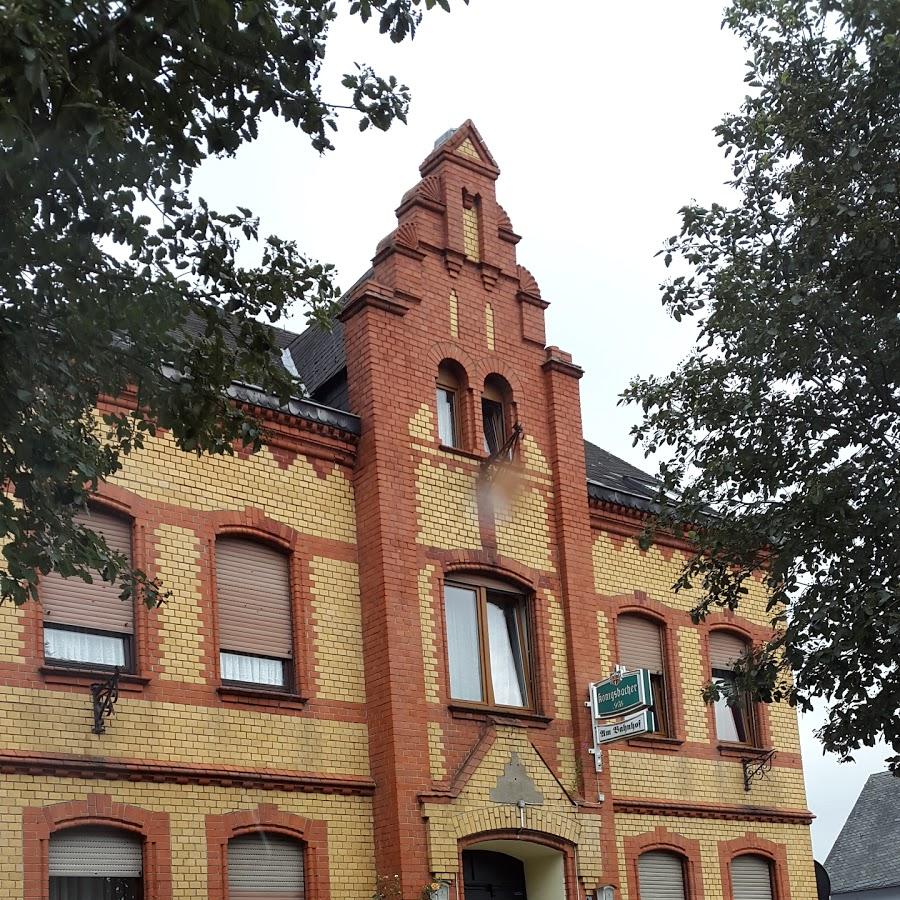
(751,844)
(267,817)
(40,823)
(661,839)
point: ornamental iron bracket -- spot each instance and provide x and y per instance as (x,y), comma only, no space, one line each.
(104,695)
(757,767)
(505,454)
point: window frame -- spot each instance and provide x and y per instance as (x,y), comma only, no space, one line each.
(454,403)
(666,719)
(747,708)
(483,587)
(295,674)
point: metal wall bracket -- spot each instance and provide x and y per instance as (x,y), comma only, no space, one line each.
(757,767)
(104,695)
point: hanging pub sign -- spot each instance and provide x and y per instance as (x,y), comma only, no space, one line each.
(621,693)
(637,723)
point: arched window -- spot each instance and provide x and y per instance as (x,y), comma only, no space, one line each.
(734,718)
(641,647)
(253,590)
(88,624)
(496,403)
(661,876)
(95,863)
(751,878)
(265,866)
(451,382)
(487,643)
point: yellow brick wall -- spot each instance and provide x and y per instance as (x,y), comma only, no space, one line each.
(559,654)
(181,635)
(523,529)
(12,623)
(446,507)
(294,495)
(337,620)
(709,833)
(60,722)
(454,314)
(349,824)
(471,238)
(489,325)
(429,634)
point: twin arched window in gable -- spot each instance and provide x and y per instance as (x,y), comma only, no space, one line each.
(454,416)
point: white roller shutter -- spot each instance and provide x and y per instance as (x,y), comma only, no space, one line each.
(725,649)
(751,878)
(264,866)
(640,643)
(95,852)
(661,876)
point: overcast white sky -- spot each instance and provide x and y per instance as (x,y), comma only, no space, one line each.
(600,117)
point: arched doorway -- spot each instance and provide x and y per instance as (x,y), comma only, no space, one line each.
(504,869)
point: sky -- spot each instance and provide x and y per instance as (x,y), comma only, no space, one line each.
(600,117)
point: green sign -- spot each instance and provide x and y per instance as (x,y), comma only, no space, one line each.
(639,723)
(621,694)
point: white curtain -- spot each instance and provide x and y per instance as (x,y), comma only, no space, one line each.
(83,647)
(462,643)
(252,669)
(507,671)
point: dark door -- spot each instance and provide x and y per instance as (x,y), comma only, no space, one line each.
(493,876)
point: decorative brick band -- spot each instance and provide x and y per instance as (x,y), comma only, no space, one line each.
(67,767)
(641,807)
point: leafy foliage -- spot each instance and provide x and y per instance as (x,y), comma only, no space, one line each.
(783,425)
(112,279)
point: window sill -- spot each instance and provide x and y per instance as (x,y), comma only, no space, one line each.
(232,693)
(731,750)
(129,683)
(459,451)
(523,719)
(657,742)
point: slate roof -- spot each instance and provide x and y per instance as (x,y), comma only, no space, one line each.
(865,856)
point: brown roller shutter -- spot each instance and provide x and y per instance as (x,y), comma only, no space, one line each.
(253,586)
(265,867)
(71,601)
(640,643)
(724,649)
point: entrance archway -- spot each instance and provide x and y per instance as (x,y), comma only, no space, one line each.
(504,869)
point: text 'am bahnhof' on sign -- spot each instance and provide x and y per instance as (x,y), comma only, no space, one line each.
(637,723)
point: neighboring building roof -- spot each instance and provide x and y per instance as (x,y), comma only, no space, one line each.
(865,857)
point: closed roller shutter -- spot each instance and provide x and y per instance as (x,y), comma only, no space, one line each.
(71,601)
(661,876)
(95,852)
(725,649)
(640,644)
(751,878)
(254,596)
(265,867)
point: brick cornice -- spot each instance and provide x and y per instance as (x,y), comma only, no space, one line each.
(168,773)
(645,807)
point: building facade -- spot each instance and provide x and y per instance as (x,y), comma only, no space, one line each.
(372,676)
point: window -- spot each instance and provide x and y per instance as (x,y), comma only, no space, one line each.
(450,383)
(88,624)
(263,865)
(734,721)
(253,588)
(95,863)
(751,878)
(495,403)
(487,644)
(641,647)
(660,876)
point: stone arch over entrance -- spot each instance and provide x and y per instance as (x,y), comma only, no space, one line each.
(517,865)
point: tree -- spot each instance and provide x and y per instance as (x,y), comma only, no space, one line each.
(106,109)
(782,426)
